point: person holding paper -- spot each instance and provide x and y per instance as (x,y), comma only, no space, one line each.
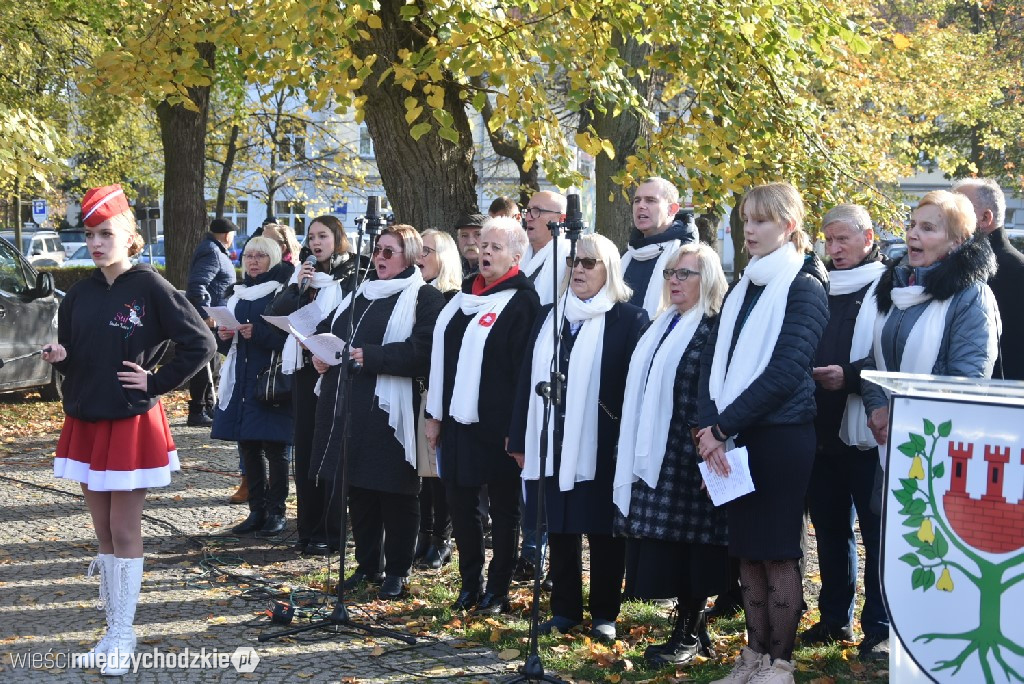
(675,538)
(263,431)
(392,318)
(442,268)
(480,340)
(321,286)
(598,329)
(846,461)
(756,389)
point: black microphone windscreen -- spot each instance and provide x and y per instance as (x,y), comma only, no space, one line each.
(572,207)
(372,206)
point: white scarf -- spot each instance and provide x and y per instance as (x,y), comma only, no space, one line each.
(328,297)
(854,429)
(393,393)
(925,337)
(540,263)
(647,411)
(227,369)
(485,310)
(761,330)
(662,251)
(582,395)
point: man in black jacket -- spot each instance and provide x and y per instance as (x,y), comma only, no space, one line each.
(1008,282)
(210,275)
(845,463)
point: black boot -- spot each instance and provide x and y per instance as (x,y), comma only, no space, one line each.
(197,416)
(422,546)
(254,522)
(689,638)
(439,553)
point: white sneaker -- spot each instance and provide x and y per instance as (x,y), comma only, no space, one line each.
(749,663)
(779,672)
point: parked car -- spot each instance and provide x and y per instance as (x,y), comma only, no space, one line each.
(41,248)
(154,253)
(72,239)
(80,258)
(235,250)
(894,249)
(28,320)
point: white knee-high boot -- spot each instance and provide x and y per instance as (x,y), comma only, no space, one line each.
(127,582)
(105,564)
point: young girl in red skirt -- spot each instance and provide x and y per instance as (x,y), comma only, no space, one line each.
(113,329)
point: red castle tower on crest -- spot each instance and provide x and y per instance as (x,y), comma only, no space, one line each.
(989,523)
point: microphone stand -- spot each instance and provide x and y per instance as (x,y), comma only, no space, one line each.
(339,617)
(553,394)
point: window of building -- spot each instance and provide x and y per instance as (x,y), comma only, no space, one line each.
(365,142)
(291,213)
(237,212)
(292,143)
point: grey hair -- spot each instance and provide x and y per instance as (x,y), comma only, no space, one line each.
(988,194)
(854,215)
(605,251)
(713,284)
(265,245)
(513,231)
(667,190)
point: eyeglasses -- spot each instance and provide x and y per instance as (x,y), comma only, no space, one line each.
(386,252)
(255,255)
(680,274)
(427,251)
(537,212)
(586,262)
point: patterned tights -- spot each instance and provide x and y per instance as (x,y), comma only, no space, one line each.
(772,599)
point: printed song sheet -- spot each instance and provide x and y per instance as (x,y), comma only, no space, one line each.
(222,316)
(738,483)
(328,347)
(303,320)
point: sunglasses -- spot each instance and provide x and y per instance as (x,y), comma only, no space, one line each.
(386,252)
(586,262)
(680,274)
(537,212)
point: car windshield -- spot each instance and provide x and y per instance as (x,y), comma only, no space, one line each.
(81,253)
(72,236)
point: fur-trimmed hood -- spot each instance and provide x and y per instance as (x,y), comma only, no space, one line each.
(973,262)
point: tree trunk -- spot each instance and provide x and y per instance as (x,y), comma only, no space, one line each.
(183,134)
(614,212)
(429,181)
(225,172)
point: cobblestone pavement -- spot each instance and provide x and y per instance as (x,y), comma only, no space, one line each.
(47,605)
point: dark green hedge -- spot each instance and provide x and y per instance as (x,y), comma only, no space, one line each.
(64,278)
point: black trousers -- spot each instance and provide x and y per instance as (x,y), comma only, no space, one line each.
(200,389)
(318,509)
(434,517)
(467,523)
(266,494)
(384,528)
(607,566)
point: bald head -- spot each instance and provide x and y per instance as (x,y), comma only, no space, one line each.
(544,206)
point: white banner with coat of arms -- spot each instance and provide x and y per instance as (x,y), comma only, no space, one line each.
(953,537)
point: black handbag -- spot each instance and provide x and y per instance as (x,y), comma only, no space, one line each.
(273,386)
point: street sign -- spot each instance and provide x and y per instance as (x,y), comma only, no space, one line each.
(39,210)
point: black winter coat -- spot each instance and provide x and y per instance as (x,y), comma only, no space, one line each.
(473,455)
(834,350)
(639,274)
(376,459)
(784,392)
(587,508)
(210,274)
(245,417)
(289,300)
(677,510)
(1008,287)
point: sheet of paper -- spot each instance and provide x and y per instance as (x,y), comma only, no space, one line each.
(324,345)
(305,319)
(222,316)
(738,483)
(281,322)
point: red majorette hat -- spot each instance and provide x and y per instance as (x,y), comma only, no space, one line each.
(100,204)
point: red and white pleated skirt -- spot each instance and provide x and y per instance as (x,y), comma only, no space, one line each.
(118,455)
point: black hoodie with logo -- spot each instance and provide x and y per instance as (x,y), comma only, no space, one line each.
(102,324)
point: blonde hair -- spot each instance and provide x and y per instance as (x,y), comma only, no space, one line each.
(281,233)
(449,274)
(513,231)
(126,221)
(779,202)
(957,213)
(605,251)
(713,284)
(261,243)
(409,238)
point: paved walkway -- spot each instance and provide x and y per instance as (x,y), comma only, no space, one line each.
(189,601)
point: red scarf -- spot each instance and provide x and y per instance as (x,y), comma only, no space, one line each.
(480,286)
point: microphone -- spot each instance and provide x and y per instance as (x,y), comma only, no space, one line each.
(572,208)
(374,220)
(372,206)
(304,283)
